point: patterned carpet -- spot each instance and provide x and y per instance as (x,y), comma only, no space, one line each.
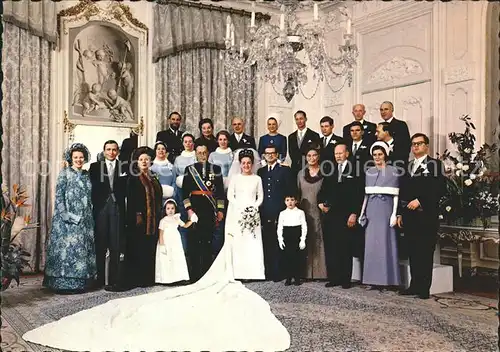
(317,318)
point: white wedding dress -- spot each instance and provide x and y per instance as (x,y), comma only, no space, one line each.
(216,313)
(247,249)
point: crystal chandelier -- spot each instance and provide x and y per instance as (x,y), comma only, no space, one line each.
(274,51)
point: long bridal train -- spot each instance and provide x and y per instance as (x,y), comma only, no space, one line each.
(216,313)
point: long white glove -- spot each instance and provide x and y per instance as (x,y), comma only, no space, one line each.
(302,245)
(393,220)
(194,218)
(281,243)
(163,249)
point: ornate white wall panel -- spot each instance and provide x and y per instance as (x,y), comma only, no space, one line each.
(459,101)
(397,55)
(413,105)
(372,103)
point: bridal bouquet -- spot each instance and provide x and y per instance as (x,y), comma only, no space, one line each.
(249,220)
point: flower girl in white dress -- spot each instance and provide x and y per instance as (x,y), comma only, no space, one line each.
(171,263)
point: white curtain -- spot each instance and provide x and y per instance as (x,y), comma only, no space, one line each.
(26,66)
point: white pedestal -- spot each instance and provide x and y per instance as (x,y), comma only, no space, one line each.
(442,277)
(356,270)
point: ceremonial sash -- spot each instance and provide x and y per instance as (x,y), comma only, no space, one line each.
(201,185)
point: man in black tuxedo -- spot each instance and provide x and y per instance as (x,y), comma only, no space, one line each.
(340,199)
(421,189)
(329,141)
(398,154)
(399,129)
(240,140)
(358,111)
(108,198)
(300,142)
(277,182)
(203,191)
(172,136)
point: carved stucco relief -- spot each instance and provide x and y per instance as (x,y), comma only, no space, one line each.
(458,74)
(396,68)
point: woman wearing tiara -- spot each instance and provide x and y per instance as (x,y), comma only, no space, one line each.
(245,195)
(71,260)
(217,313)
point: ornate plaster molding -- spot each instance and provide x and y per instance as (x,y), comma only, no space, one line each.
(115,12)
(139,129)
(396,68)
(458,73)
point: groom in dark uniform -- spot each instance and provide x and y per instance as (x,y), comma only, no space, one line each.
(203,191)
(108,179)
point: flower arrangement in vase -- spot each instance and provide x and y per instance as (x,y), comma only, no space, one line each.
(469,181)
(13,256)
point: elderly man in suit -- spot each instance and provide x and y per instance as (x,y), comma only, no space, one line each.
(108,198)
(421,190)
(359,111)
(239,139)
(399,128)
(172,136)
(300,142)
(340,199)
(203,191)
(276,181)
(328,143)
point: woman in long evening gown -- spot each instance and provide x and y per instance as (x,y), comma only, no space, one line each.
(378,214)
(71,258)
(245,190)
(309,181)
(216,313)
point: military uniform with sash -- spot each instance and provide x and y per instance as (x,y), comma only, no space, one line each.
(203,191)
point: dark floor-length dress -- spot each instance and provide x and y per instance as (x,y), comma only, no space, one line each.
(309,187)
(71,258)
(381,264)
(144,199)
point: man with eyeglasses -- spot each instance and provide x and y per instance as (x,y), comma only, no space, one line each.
(420,191)
(276,182)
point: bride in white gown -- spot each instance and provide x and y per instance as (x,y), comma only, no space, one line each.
(216,313)
(245,190)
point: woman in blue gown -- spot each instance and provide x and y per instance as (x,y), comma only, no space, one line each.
(187,157)
(223,156)
(378,214)
(165,170)
(71,259)
(273,138)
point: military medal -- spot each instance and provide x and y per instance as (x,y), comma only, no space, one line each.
(208,183)
(272,141)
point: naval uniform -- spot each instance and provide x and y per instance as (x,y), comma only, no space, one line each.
(203,191)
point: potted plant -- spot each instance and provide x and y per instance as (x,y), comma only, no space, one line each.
(469,196)
(13,256)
